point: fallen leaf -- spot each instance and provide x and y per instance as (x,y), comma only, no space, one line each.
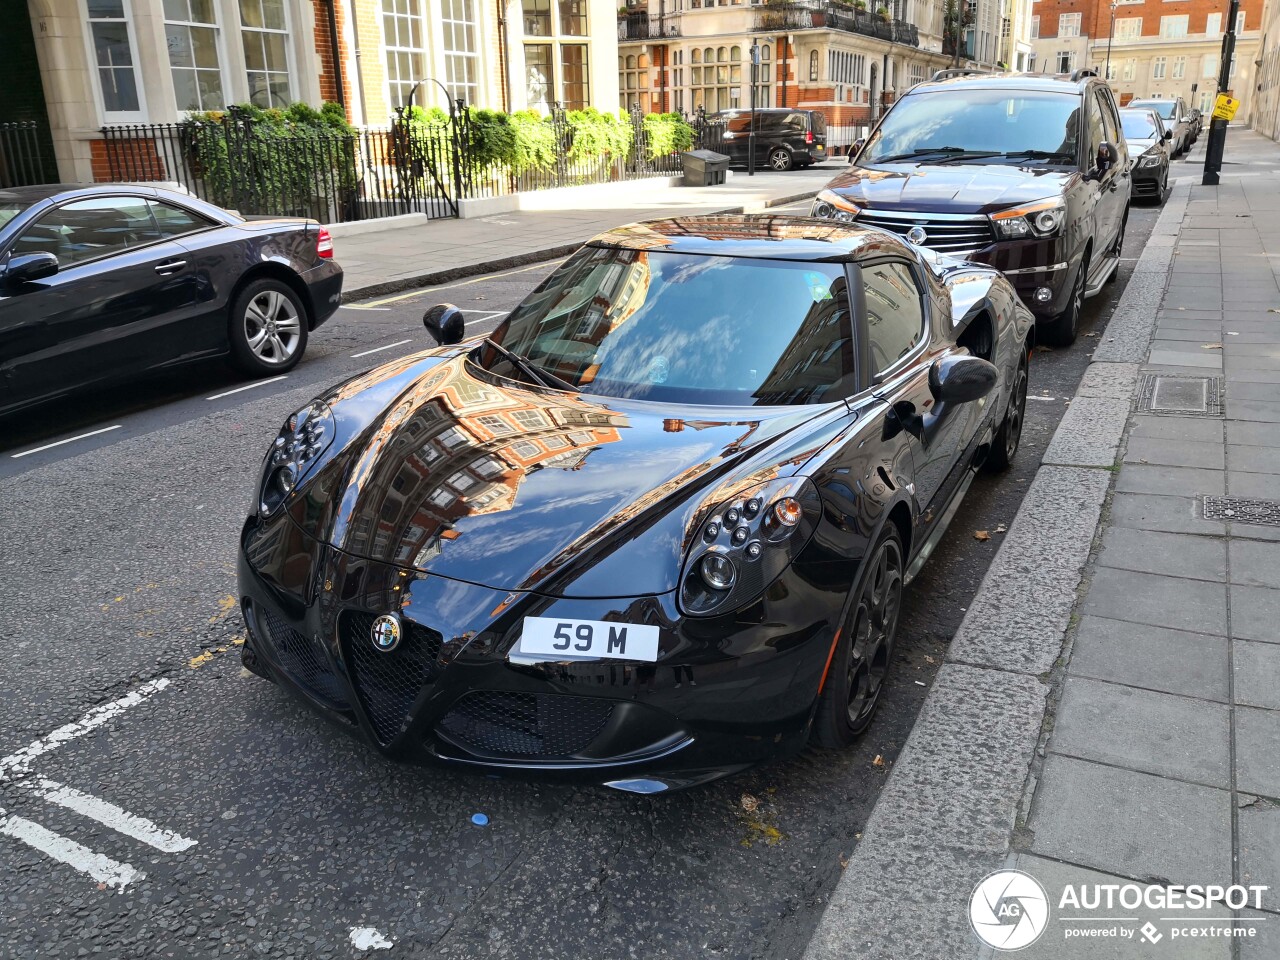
(1210,346)
(844,861)
(1001,528)
(981,535)
(878,761)
(929,659)
(750,803)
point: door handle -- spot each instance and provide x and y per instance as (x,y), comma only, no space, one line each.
(170,266)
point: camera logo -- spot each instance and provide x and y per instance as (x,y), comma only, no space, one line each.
(1009,910)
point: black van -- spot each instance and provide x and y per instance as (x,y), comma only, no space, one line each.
(784,138)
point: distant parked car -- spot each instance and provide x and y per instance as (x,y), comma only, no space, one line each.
(99,283)
(784,138)
(1197,124)
(1176,118)
(1147,139)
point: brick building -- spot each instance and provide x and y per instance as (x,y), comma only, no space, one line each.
(1159,48)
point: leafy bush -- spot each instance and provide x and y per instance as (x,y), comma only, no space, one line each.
(536,145)
(666,133)
(598,135)
(493,138)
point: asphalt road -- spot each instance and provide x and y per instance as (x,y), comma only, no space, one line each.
(206,814)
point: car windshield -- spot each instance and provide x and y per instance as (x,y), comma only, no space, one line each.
(683,328)
(990,123)
(1162,107)
(10,209)
(1138,125)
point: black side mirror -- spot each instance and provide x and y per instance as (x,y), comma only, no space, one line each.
(961,379)
(1168,134)
(445,323)
(1108,156)
(29,268)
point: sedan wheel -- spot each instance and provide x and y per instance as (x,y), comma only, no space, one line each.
(780,159)
(861,661)
(268,328)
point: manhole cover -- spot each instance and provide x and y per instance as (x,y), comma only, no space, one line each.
(1242,510)
(1180,396)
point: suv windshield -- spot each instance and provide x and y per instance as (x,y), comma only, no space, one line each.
(990,123)
(686,328)
(1138,125)
(1162,107)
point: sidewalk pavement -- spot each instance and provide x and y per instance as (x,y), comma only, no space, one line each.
(403,257)
(1110,708)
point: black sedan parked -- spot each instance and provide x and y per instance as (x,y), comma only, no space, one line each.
(103,282)
(1148,143)
(656,527)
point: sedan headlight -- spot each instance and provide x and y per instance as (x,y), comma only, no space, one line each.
(829,205)
(304,437)
(745,542)
(1149,160)
(1042,219)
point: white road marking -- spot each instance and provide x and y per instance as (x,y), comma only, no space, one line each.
(488,314)
(248,386)
(351,306)
(461,283)
(100,868)
(398,343)
(367,938)
(18,764)
(109,815)
(50,446)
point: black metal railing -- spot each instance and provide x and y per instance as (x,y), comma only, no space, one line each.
(639,26)
(21,161)
(333,176)
(835,16)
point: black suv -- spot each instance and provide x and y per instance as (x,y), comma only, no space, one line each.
(784,138)
(1028,173)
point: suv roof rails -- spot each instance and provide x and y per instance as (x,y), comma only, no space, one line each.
(1082,73)
(958,72)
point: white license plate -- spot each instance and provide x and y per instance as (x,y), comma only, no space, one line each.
(580,639)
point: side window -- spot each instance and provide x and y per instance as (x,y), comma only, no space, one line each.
(1110,124)
(89,229)
(175,221)
(1094,131)
(895,316)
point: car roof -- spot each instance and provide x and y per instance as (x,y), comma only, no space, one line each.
(30,196)
(1049,82)
(764,236)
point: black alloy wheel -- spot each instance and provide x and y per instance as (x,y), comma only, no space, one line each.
(855,678)
(780,159)
(1062,331)
(1005,446)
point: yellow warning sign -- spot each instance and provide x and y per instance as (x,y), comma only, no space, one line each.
(1225,107)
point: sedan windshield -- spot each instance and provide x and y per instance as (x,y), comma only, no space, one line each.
(1025,124)
(1162,107)
(1138,125)
(685,328)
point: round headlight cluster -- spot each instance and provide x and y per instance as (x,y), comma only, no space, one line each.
(301,441)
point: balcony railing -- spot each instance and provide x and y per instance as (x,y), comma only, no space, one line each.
(639,26)
(833,16)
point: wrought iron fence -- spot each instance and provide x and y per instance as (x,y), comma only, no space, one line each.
(332,176)
(21,162)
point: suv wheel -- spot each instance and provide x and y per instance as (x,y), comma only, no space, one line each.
(1117,249)
(780,159)
(1061,332)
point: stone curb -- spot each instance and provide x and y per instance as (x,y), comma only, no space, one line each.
(462,271)
(946,816)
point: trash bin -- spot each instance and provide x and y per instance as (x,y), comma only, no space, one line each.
(704,168)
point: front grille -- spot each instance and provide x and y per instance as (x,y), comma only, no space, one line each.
(302,658)
(1146,188)
(946,234)
(388,683)
(537,725)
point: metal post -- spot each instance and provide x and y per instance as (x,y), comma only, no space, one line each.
(1107,73)
(751,135)
(1217,126)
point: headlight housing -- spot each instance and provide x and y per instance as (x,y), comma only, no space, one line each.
(305,436)
(1149,160)
(745,542)
(1042,219)
(829,205)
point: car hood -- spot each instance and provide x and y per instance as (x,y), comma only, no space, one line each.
(1138,147)
(949,188)
(470,476)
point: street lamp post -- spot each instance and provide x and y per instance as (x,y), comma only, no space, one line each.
(1217,125)
(1110,36)
(751,133)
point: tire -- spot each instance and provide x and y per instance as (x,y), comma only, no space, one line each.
(1062,330)
(1005,445)
(780,159)
(1117,248)
(267,328)
(855,678)
(1164,190)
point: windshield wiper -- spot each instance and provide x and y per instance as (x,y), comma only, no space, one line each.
(530,369)
(1040,155)
(922,152)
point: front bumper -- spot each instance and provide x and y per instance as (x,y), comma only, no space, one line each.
(726,693)
(1146,181)
(1032,266)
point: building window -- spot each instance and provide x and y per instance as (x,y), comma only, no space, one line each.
(715,85)
(537,18)
(1066,61)
(1213,24)
(1179,68)
(1240,22)
(632,79)
(1157,68)
(1035,28)
(458,23)
(109,29)
(539,82)
(1069,25)
(573,71)
(813,64)
(403,39)
(191,34)
(573,18)
(1211,64)
(265,35)
(1129,28)
(1130,69)
(1174,26)
(1111,71)
(764,77)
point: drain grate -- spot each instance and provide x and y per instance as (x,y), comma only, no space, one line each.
(1242,510)
(1180,396)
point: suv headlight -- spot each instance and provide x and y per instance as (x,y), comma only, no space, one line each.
(304,437)
(1042,219)
(829,205)
(745,542)
(1149,160)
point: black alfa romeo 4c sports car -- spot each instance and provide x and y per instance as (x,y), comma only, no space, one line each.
(656,527)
